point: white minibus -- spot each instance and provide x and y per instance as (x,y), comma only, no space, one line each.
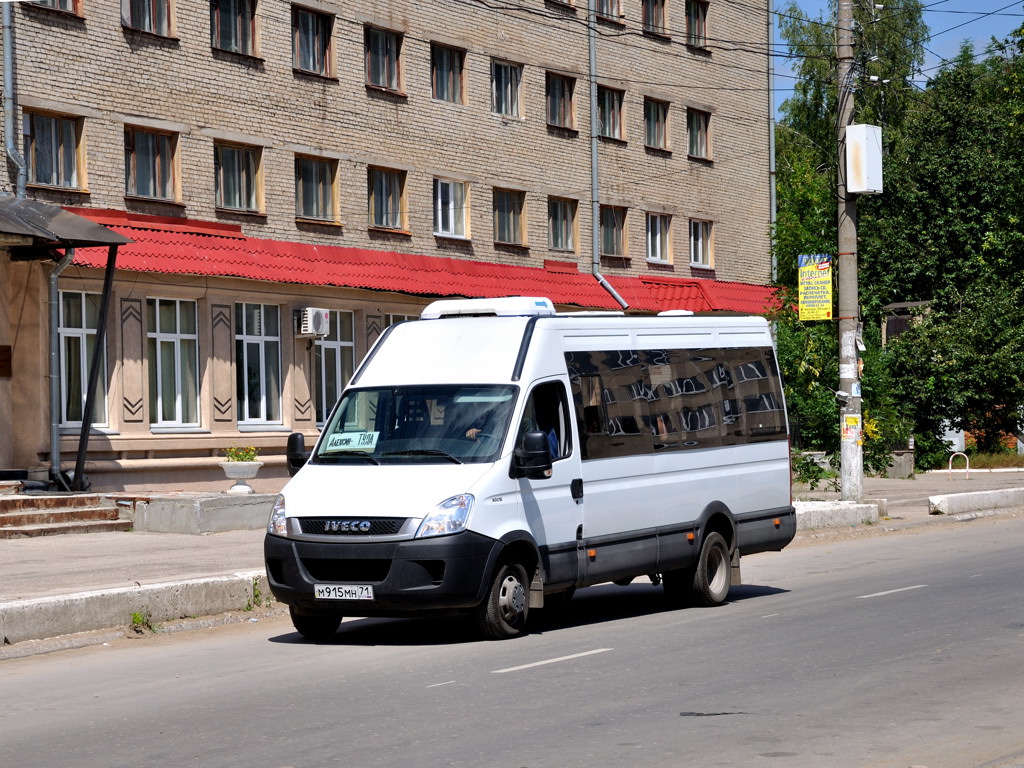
(496,455)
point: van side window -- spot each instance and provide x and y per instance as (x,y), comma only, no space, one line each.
(632,402)
(547,411)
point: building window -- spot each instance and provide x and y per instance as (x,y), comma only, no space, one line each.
(697,23)
(700,244)
(609,112)
(505,88)
(311,41)
(383,54)
(334,362)
(508,216)
(77,325)
(386,198)
(71,6)
(392,319)
(658,244)
(560,107)
(172,351)
(237,172)
(561,224)
(608,9)
(613,231)
(654,16)
(446,65)
(233,26)
(53,145)
(314,188)
(697,124)
(258,362)
(149,164)
(656,123)
(147,15)
(450,207)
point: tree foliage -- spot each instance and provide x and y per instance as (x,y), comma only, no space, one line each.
(946,231)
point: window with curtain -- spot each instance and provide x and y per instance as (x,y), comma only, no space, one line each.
(172,354)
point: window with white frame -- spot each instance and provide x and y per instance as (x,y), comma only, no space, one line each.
(233,26)
(386,198)
(172,353)
(334,362)
(446,66)
(149,163)
(315,196)
(613,230)
(450,199)
(696,23)
(658,243)
(76,331)
(508,216)
(700,244)
(656,123)
(258,363)
(147,15)
(609,9)
(697,126)
(392,319)
(237,177)
(53,146)
(609,112)
(653,12)
(561,224)
(506,80)
(383,58)
(311,41)
(559,91)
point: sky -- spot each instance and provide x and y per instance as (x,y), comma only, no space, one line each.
(950,21)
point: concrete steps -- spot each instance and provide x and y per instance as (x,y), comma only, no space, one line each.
(27,515)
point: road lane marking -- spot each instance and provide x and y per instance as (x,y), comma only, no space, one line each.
(550,661)
(438,685)
(892,591)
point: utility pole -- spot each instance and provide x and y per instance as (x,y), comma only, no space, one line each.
(851,449)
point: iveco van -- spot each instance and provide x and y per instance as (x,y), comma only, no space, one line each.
(495,455)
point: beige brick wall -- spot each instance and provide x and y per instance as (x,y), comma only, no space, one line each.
(93,68)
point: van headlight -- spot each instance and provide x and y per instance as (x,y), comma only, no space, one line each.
(278,523)
(451,516)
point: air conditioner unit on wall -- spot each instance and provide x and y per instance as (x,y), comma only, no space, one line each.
(311,321)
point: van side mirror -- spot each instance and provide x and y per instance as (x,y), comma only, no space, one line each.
(533,460)
(296,453)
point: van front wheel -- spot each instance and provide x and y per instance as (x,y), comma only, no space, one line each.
(503,613)
(316,628)
(712,578)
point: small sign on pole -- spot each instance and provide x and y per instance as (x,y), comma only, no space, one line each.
(815,272)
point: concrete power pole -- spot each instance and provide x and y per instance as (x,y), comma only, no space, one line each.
(851,448)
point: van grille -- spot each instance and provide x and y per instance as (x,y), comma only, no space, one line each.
(350,526)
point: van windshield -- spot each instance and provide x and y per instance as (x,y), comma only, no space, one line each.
(416,424)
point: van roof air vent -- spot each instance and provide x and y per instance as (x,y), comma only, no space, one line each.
(508,306)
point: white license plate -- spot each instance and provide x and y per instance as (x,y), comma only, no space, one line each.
(343,592)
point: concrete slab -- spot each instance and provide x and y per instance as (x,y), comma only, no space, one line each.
(832,514)
(958,503)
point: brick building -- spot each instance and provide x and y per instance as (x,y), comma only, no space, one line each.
(361,157)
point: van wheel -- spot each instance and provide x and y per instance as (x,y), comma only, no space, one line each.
(711,581)
(503,613)
(315,628)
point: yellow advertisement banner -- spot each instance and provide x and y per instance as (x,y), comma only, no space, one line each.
(815,272)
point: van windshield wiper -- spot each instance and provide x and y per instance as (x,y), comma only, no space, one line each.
(332,458)
(423,452)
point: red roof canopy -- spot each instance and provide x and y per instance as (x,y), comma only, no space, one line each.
(188,247)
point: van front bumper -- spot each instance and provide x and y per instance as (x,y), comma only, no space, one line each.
(436,574)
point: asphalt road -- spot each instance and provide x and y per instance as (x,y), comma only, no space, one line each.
(895,651)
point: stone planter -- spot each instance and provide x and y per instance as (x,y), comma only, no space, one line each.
(240,471)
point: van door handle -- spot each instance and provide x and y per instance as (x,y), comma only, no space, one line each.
(576,488)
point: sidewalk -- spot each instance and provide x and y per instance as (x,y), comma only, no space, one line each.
(59,585)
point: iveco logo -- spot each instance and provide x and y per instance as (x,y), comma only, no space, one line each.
(347,526)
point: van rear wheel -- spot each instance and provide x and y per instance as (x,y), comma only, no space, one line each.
(712,579)
(503,612)
(315,628)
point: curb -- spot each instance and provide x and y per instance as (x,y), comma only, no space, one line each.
(959,503)
(51,617)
